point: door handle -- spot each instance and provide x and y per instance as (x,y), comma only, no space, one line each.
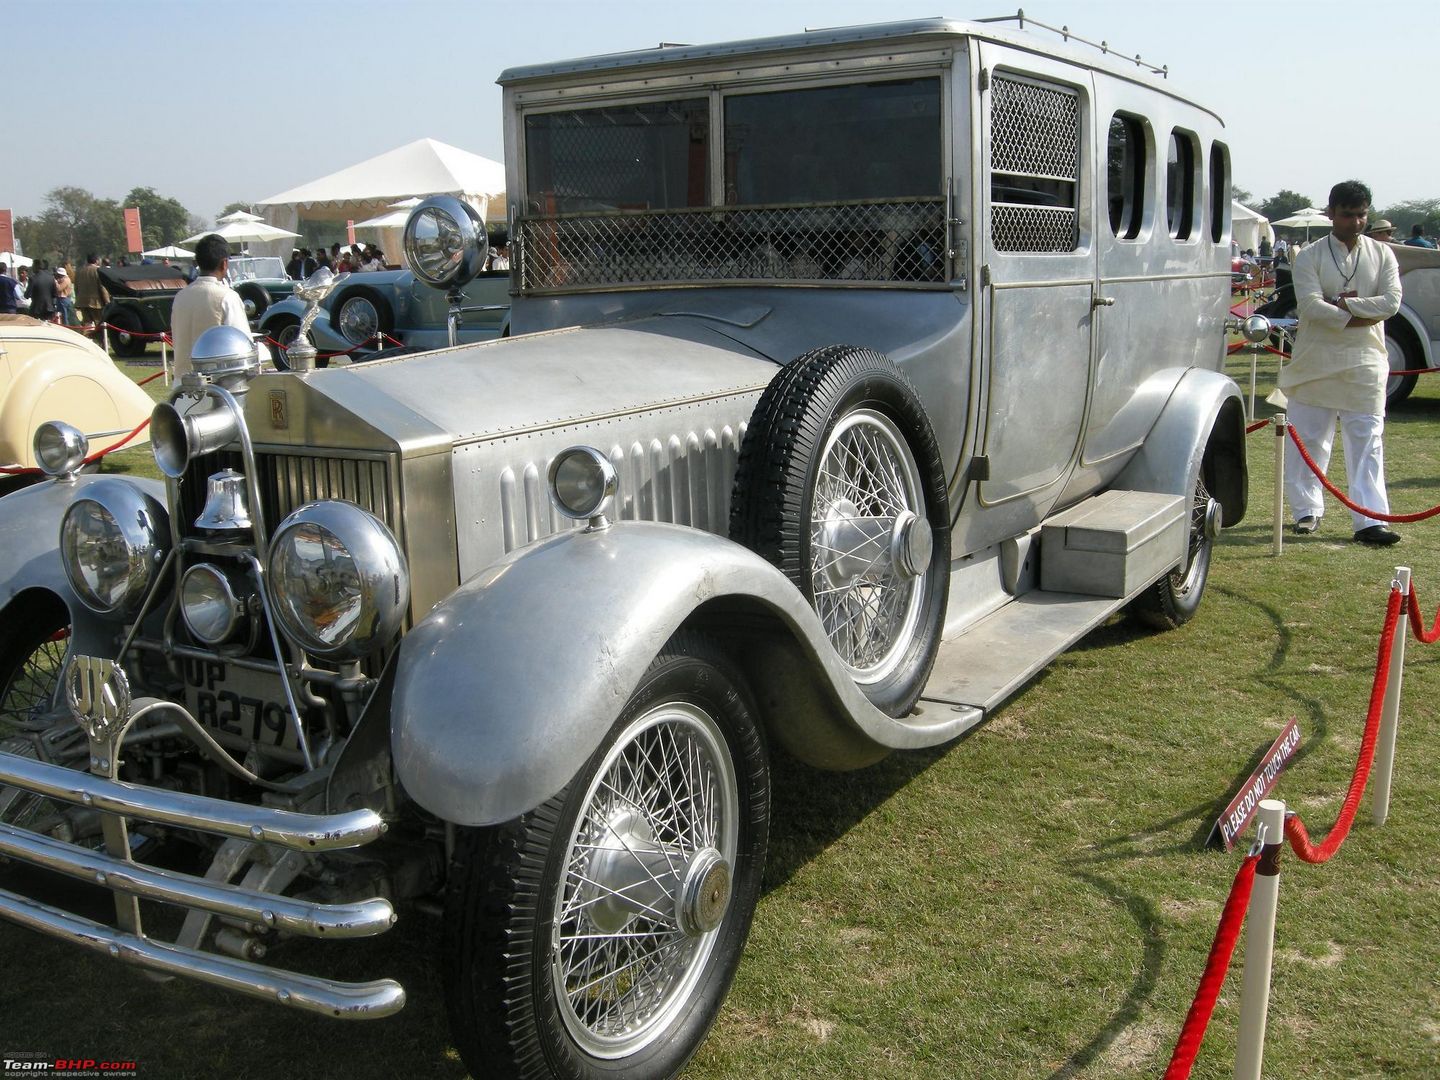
(1101,301)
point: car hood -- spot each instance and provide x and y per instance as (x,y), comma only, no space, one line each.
(506,387)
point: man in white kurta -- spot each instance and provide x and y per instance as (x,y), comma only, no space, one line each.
(207,301)
(1346,286)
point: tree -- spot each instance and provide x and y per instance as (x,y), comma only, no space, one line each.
(1283,204)
(231,207)
(73,223)
(162,219)
(1240,195)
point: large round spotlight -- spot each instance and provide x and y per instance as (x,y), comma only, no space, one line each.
(582,481)
(60,448)
(445,242)
(337,580)
(112,539)
(210,604)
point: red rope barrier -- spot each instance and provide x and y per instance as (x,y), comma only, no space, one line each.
(1256,426)
(1417,624)
(1325,480)
(1294,827)
(1217,964)
(152,378)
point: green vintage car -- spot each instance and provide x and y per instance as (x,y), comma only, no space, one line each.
(140,296)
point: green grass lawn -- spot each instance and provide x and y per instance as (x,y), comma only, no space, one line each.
(1034,900)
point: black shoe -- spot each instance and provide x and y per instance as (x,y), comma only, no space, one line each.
(1378,536)
(1307,525)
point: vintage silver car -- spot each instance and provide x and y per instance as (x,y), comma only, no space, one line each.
(857,375)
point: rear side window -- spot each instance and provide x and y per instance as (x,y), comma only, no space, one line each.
(1125,175)
(1219,190)
(1180,184)
(1034,165)
(866,141)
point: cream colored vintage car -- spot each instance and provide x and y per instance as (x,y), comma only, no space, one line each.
(49,372)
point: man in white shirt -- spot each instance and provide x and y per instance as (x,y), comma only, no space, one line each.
(207,301)
(1346,286)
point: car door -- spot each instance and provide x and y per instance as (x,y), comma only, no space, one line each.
(1037,289)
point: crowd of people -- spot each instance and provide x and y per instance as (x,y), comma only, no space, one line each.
(350,259)
(59,295)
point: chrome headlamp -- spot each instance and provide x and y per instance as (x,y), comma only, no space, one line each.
(60,448)
(111,541)
(445,242)
(337,580)
(211,604)
(582,483)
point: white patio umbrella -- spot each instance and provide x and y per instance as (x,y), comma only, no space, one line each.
(10,259)
(170,251)
(239,232)
(238,215)
(1310,218)
(394,218)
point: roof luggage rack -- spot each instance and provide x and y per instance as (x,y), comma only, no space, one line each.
(1064,31)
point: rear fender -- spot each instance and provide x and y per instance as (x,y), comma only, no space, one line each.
(507,687)
(1202,424)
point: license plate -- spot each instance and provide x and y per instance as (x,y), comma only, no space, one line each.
(237,704)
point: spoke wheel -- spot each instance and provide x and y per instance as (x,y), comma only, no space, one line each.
(840,484)
(867,491)
(662,811)
(1173,600)
(34,641)
(596,936)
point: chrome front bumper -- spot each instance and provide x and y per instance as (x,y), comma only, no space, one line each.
(281,828)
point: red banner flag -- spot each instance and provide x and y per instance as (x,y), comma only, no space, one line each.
(133,243)
(350,231)
(7,230)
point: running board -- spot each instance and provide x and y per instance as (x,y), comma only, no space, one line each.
(991,660)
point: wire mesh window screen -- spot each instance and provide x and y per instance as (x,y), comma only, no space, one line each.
(1034,166)
(900,241)
(643,156)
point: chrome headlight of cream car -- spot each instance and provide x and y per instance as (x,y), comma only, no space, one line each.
(112,539)
(338,582)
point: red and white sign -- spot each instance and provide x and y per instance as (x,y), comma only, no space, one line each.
(7,230)
(133,243)
(350,231)
(1243,807)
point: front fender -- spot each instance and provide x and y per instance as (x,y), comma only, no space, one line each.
(1205,414)
(506,688)
(30,550)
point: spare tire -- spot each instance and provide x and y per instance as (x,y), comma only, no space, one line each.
(841,486)
(255,299)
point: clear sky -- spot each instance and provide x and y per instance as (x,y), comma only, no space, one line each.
(213,101)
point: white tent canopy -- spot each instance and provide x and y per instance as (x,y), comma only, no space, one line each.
(423,167)
(1249,226)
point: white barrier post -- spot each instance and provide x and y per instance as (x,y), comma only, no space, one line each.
(1260,943)
(164,359)
(105,333)
(1279,539)
(1390,710)
(1254,351)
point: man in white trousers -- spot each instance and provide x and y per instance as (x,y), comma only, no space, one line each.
(1346,286)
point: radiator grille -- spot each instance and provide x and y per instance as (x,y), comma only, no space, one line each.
(290,480)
